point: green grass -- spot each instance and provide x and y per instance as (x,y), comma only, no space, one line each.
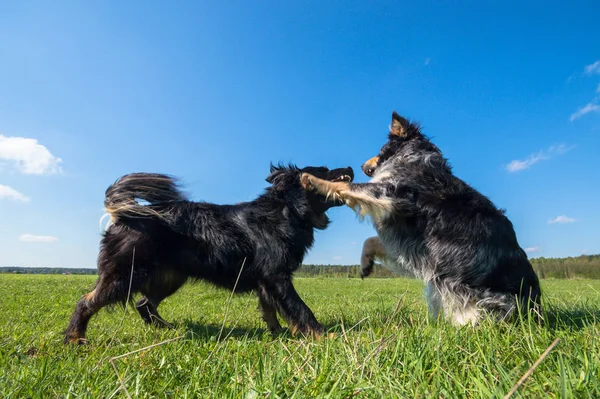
(377,351)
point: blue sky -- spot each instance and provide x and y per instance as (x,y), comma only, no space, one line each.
(213,92)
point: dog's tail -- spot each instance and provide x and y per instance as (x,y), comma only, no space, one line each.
(142,195)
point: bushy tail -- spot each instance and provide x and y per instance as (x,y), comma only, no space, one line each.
(122,197)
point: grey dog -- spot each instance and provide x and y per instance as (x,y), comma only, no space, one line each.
(436,225)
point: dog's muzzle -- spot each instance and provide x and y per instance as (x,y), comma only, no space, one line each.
(367,170)
(369,167)
(344,175)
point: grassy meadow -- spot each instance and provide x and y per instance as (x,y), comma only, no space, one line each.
(383,346)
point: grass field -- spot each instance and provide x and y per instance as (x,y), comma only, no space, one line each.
(384,345)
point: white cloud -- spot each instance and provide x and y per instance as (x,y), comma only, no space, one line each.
(590,107)
(592,68)
(518,164)
(34,238)
(353,243)
(561,219)
(337,257)
(427,61)
(28,156)
(532,249)
(10,193)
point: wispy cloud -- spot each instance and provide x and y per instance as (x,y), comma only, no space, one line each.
(28,156)
(34,238)
(336,258)
(590,107)
(427,61)
(517,165)
(10,193)
(530,250)
(561,219)
(592,68)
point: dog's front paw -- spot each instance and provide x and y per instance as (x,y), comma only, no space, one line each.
(306,181)
(366,271)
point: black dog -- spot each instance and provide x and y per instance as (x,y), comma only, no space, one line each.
(174,239)
(437,225)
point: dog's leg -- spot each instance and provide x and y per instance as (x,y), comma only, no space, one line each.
(84,310)
(503,306)
(460,305)
(291,307)
(434,300)
(467,314)
(377,200)
(106,292)
(161,285)
(372,249)
(268,311)
(149,313)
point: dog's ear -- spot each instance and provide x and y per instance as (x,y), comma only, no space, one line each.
(399,126)
(275,171)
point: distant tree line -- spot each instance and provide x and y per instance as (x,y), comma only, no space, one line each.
(585,266)
(345,271)
(45,270)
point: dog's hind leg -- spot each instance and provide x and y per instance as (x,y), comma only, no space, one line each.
(75,332)
(460,305)
(468,313)
(290,306)
(107,291)
(147,309)
(158,287)
(268,310)
(501,305)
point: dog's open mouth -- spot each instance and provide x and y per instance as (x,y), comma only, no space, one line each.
(341,175)
(342,178)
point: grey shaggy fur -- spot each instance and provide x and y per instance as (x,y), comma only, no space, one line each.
(431,222)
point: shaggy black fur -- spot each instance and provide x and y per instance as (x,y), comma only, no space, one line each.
(436,225)
(175,239)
